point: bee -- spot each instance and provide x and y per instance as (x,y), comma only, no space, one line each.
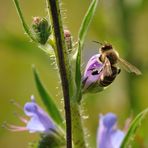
(111,57)
(102,69)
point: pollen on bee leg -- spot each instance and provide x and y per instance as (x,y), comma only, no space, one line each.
(14,128)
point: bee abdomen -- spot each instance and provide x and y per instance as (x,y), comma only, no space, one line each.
(107,80)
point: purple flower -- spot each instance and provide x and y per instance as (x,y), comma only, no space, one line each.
(109,136)
(96,76)
(93,63)
(39,120)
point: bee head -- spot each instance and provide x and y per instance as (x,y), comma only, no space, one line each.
(106,47)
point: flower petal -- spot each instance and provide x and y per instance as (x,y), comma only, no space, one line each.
(94,64)
(30,108)
(117,137)
(109,120)
(108,135)
(40,121)
(34,125)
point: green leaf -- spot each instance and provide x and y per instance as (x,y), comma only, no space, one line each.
(47,100)
(25,26)
(86,21)
(81,36)
(133,128)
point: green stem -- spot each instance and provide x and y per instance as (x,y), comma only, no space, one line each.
(25,26)
(63,64)
(77,129)
(60,42)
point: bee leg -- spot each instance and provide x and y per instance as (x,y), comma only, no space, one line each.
(119,70)
(101,58)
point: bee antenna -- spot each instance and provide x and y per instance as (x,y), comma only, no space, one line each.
(98,42)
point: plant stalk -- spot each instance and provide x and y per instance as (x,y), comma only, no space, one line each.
(77,127)
(63,63)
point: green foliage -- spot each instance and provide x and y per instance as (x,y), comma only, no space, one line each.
(47,99)
(51,141)
(86,22)
(41,29)
(133,128)
(81,36)
(25,26)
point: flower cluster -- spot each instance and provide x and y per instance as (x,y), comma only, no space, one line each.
(108,135)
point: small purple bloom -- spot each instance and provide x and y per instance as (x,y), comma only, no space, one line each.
(93,64)
(109,136)
(39,120)
(96,75)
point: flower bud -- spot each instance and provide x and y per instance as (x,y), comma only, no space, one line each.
(41,29)
(68,38)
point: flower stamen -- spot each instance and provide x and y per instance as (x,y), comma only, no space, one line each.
(14,128)
(21,118)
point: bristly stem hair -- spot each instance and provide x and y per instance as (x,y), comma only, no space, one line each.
(54,9)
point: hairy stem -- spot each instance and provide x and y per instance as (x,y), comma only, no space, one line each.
(62,59)
(77,130)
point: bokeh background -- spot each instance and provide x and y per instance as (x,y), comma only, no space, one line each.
(124,23)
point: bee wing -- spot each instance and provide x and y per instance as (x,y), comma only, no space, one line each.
(107,67)
(129,67)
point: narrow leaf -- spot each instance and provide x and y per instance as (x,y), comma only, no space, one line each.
(86,21)
(81,36)
(133,128)
(47,100)
(25,26)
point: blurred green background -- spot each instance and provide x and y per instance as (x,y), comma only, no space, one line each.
(124,23)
